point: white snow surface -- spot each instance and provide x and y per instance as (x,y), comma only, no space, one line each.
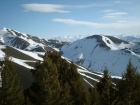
(88,82)
(96,57)
(31,54)
(19,61)
(22,62)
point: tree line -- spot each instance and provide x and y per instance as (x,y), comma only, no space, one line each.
(57,82)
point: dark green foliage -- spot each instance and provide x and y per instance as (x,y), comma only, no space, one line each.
(108,92)
(79,94)
(1,101)
(104,93)
(46,87)
(57,82)
(68,75)
(94,96)
(11,90)
(129,86)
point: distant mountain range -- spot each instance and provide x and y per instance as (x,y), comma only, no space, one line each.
(69,38)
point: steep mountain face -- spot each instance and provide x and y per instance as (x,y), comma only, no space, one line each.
(98,51)
(27,42)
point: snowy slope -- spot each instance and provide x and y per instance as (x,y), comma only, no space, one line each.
(97,52)
(21,62)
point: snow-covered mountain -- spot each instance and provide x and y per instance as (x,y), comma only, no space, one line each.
(27,42)
(69,38)
(25,50)
(98,51)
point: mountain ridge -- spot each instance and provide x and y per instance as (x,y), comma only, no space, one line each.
(98,52)
(27,42)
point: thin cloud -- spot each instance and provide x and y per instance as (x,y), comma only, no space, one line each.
(123,2)
(55,7)
(110,13)
(86,6)
(122,26)
(109,16)
(86,23)
(121,21)
(108,10)
(45,8)
(117,2)
(117,13)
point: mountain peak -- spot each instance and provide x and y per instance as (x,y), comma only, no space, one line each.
(4,28)
(100,51)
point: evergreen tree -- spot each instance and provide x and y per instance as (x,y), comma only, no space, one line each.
(47,90)
(94,96)
(28,101)
(11,90)
(1,101)
(80,95)
(69,76)
(107,90)
(129,86)
(69,87)
(136,94)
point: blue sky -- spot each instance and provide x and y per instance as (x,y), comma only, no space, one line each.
(52,18)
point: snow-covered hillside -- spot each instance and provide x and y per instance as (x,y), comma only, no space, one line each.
(27,42)
(19,61)
(98,51)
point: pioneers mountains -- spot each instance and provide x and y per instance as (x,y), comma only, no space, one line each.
(25,50)
(93,53)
